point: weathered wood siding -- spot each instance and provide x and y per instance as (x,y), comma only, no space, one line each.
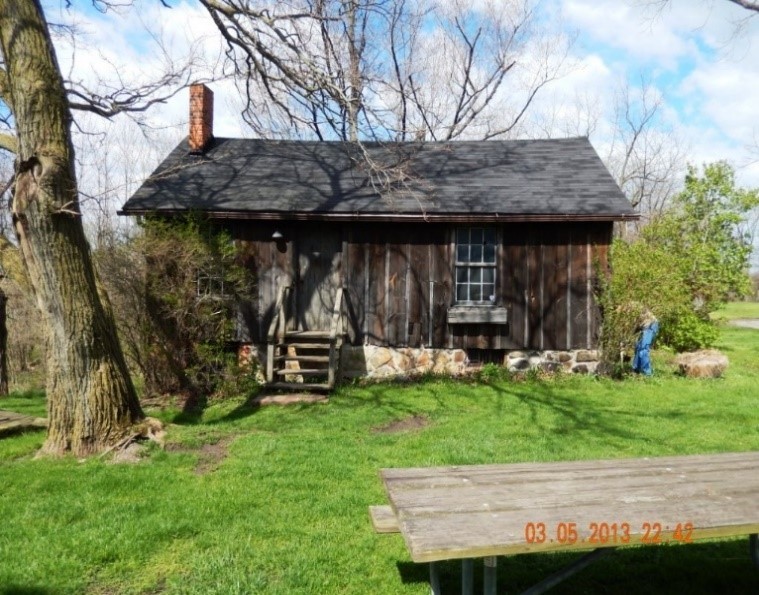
(272,264)
(399,282)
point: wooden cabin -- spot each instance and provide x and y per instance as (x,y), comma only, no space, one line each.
(443,254)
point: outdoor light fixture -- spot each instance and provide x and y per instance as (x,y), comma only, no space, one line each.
(277,236)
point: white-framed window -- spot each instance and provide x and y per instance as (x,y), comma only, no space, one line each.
(210,284)
(475,265)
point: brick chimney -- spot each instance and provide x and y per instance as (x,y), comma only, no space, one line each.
(201,117)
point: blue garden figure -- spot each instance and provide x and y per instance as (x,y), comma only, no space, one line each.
(642,361)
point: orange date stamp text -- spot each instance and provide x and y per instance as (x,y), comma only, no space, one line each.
(607,533)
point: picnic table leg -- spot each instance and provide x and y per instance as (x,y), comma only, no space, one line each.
(753,545)
(434,579)
(491,566)
(467,576)
(563,574)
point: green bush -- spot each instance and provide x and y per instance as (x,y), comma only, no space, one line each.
(686,331)
(642,279)
(193,285)
(685,264)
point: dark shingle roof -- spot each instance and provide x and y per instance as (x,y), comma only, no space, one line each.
(531,179)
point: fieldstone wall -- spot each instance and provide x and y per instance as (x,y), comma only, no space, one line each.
(580,361)
(382,362)
(254,357)
(375,361)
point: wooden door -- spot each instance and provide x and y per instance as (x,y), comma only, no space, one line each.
(319,276)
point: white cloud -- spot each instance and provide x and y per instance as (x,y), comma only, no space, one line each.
(618,26)
(694,54)
(726,93)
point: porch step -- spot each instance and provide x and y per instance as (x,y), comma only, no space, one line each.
(305,345)
(307,335)
(303,372)
(299,386)
(316,359)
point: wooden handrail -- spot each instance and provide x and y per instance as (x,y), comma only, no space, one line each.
(277,329)
(335,338)
(279,320)
(337,318)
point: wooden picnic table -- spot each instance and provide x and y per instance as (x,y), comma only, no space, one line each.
(484,511)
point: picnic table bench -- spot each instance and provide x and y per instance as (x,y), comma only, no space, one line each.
(485,511)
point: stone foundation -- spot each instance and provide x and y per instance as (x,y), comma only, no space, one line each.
(374,361)
(383,362)
(253,356)
(581,361)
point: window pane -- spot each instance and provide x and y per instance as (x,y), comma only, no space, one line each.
(461,293)
(475,293)
(476,235)
(462,236)
(489,253)
(475,275)
(462,253)
(490,235)
(489,292)
(488,275)
(476,253)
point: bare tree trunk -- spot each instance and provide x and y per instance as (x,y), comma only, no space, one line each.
(355,80)
(91,399)
(3,345)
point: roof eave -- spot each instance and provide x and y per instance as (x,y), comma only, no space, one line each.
(395,217)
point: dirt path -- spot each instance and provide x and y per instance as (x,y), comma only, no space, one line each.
(13,422)
(746,322)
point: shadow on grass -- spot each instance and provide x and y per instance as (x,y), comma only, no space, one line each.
(550,407)
(570,414)
(696,569)
(25,590)
(382,394)
(194,415)
(33,394)
(8,432)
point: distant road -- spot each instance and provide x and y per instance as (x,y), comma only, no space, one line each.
(746,322)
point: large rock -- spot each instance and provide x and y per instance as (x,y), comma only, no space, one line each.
(707,363)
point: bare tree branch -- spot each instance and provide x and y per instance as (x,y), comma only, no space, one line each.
(126,99)
(4,94)
(747,4)
(8,142)
(751,5)
(373,69)
(646,157)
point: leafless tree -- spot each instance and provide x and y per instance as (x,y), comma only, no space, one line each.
(645,156)
(112,161)
(388,70)
(562,118)
(91,399)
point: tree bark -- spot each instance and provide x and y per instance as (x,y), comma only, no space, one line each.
(3,345)
(91,399)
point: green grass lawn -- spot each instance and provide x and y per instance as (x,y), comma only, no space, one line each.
(274,500)
(738,310)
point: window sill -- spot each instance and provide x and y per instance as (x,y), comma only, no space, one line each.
(477,315)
